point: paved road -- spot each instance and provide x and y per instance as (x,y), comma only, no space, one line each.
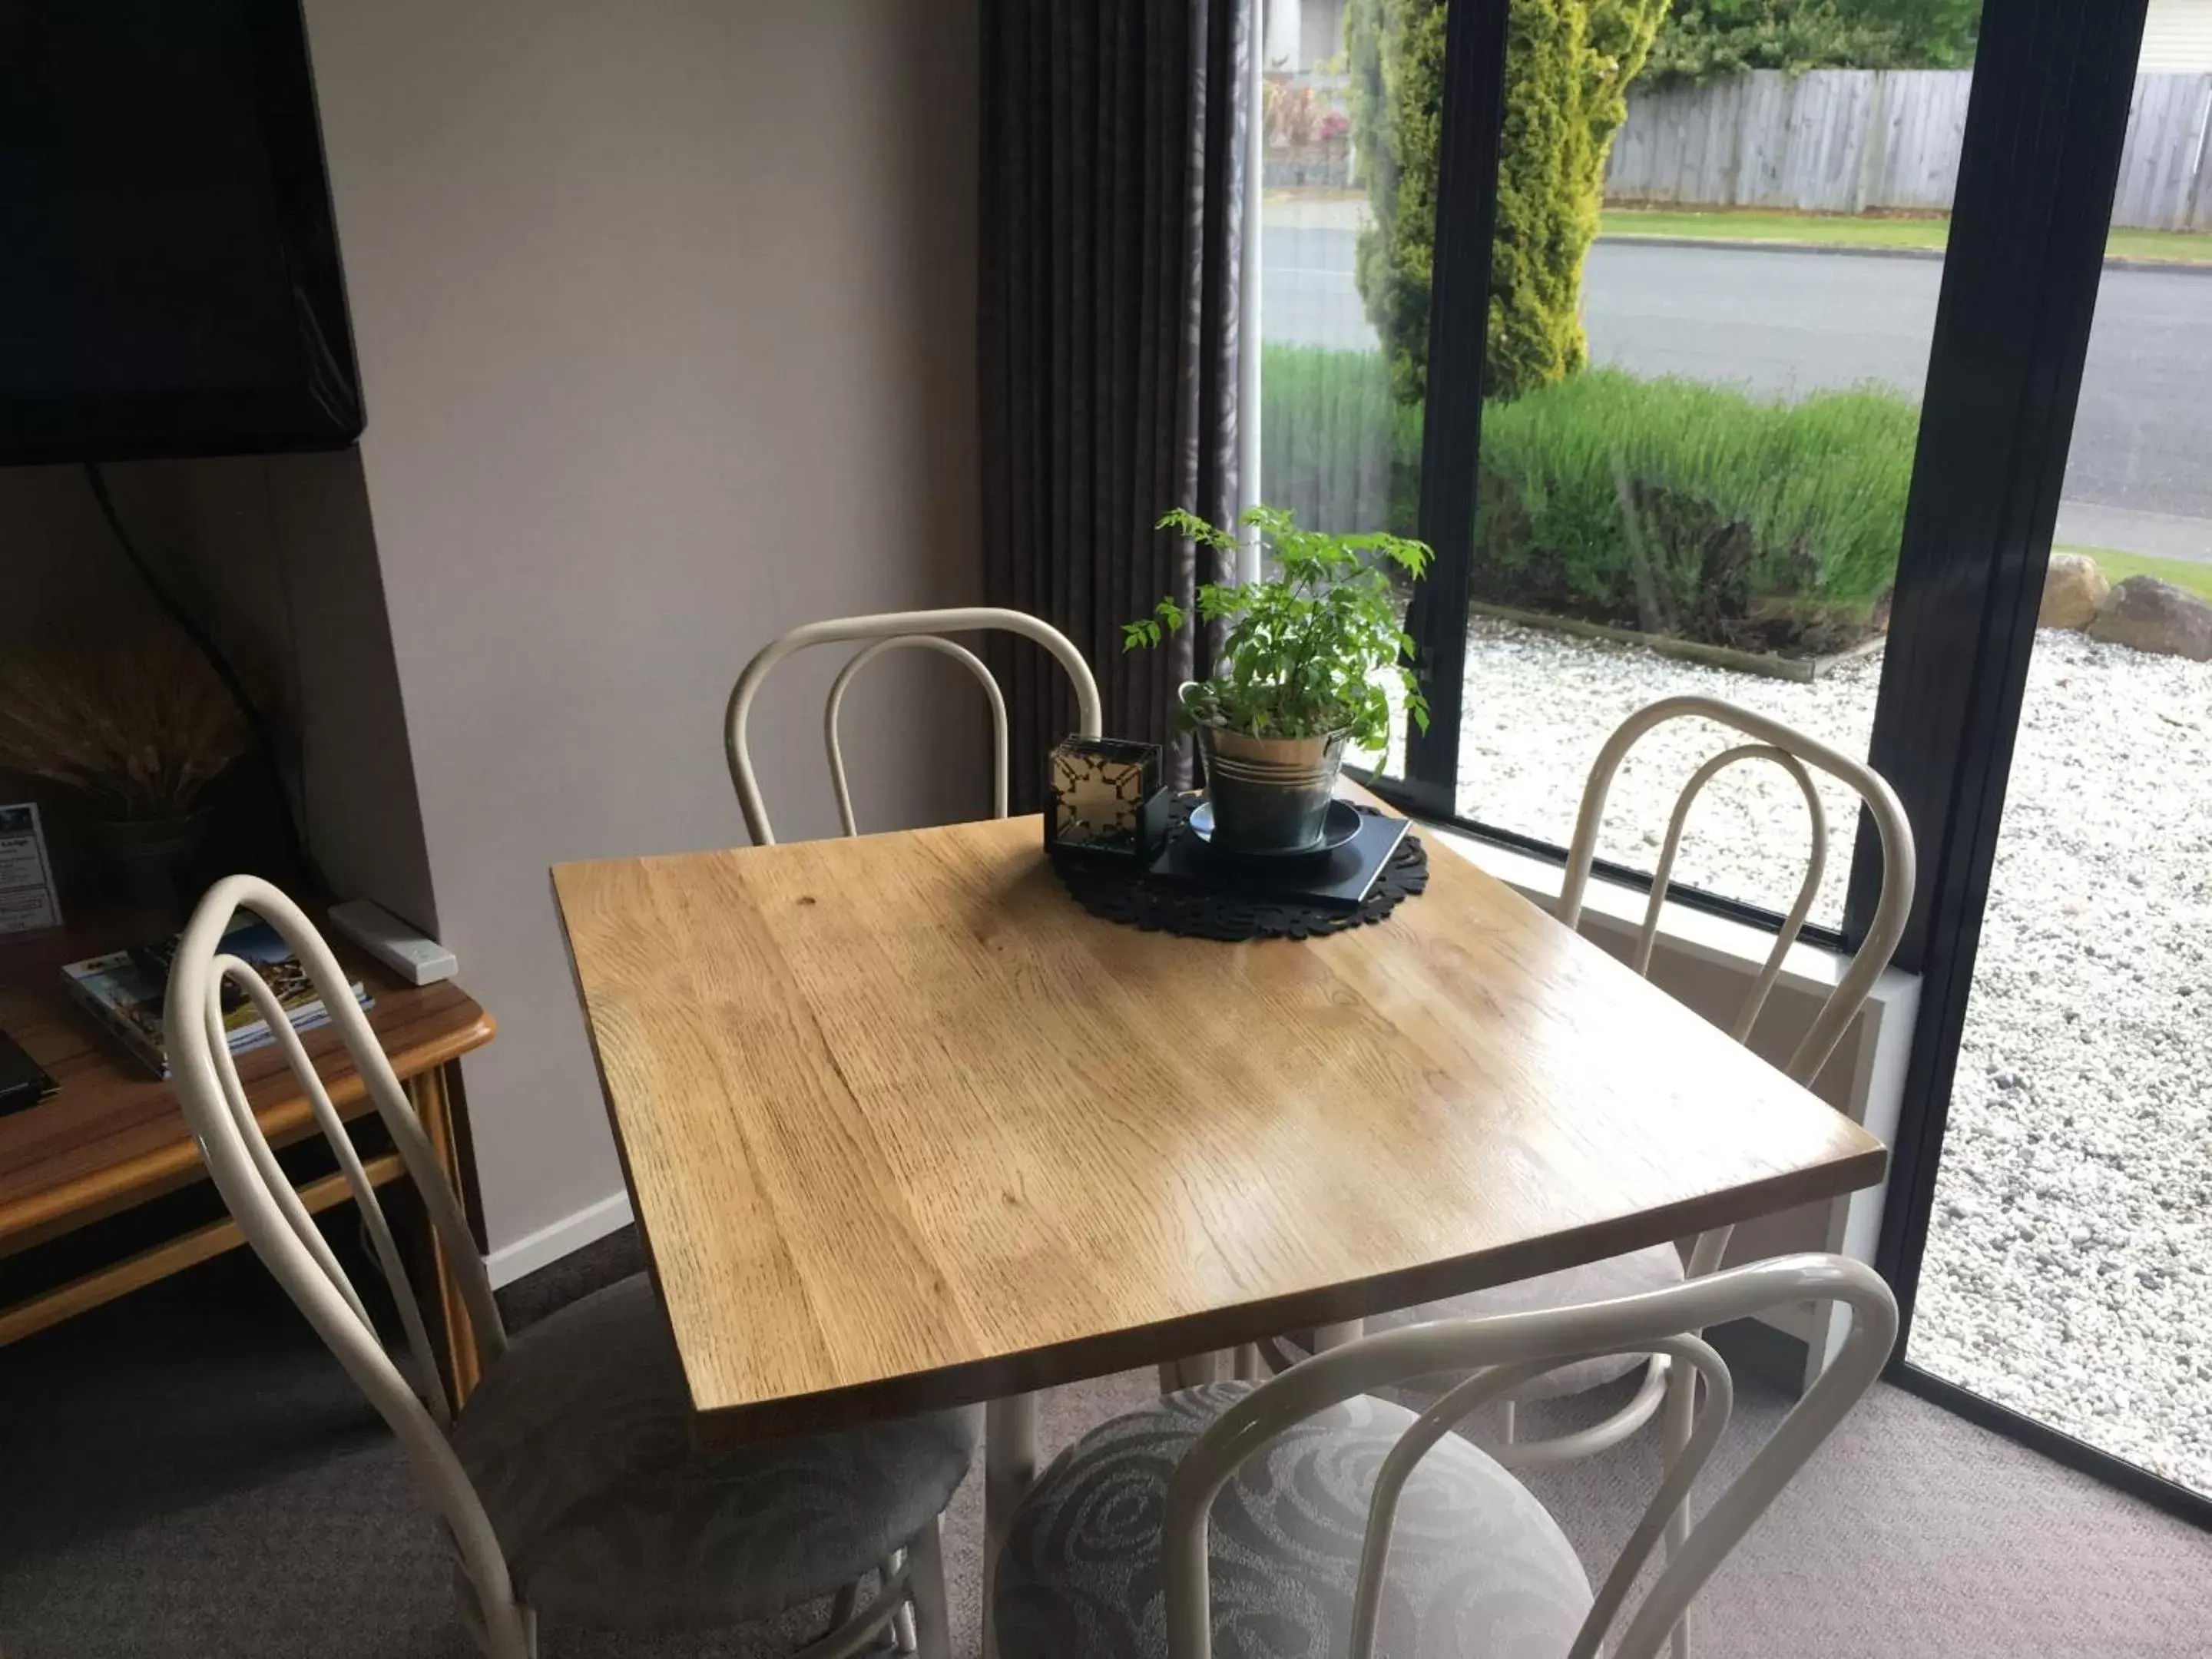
(1785,322)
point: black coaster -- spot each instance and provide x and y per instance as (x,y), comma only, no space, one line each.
(1187,904)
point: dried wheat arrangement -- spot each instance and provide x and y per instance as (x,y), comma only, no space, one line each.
(144,727)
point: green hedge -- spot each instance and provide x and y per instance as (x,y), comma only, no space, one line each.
(1337,449)
(1666,505)
(1707,40)
(1696,510)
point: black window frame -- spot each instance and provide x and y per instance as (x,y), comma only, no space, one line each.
(2045,125)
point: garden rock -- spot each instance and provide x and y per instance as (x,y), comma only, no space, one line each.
(2149,615)
(2073,591)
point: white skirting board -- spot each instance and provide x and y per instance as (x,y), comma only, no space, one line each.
(548,1244)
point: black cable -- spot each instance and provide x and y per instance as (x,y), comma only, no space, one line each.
(257,727)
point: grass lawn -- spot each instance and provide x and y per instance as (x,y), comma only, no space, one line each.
(2118,567)
(1835,230)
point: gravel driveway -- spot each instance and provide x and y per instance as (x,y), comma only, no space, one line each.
(2068,1272)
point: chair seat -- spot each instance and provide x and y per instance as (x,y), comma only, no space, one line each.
(1654,1269)
(1478,1568)
(578,1442)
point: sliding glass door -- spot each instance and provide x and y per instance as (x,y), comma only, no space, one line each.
(1346,232)
(2067,1271)
(1786,412)
(1698,432)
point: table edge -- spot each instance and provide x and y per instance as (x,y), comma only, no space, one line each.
(614,1118)
(1084,1358)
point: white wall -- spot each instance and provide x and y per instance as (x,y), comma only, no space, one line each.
(274,556)
(2177,37)
(1299,34)
(665,321)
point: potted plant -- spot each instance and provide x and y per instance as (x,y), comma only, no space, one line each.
(1301,671)
(139,730)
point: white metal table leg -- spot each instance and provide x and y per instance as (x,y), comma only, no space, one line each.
(1010,1461)
(1680,1416)
(903,1636)
(1335,1336)
(1196,1371)
(925,1561)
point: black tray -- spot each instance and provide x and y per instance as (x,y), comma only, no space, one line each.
(1343,876)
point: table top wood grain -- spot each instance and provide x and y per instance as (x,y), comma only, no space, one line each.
(905,1128)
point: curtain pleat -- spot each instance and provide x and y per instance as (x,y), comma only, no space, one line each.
(1113,150)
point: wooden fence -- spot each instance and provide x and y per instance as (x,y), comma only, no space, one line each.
(1856,141)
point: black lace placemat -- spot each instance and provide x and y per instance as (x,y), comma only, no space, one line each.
(1157,904)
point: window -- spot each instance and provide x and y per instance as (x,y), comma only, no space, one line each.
(1850,463)
(2068,1271)
(1697,441)
(1340,447)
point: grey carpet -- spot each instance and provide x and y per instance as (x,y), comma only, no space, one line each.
(186,1472)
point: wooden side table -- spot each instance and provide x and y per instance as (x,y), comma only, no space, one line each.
(112,1146)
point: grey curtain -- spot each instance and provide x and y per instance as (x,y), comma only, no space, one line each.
(1113,186)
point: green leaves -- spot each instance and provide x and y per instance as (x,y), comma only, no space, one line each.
(1304,653)
(1697,510)
(1567,67)
(1166,616)
(1707,40)
(1197,529)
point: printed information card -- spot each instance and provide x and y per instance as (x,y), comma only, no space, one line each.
(26,880)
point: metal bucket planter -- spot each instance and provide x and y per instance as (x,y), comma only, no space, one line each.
(1269,794)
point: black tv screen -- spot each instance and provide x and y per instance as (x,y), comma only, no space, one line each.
(169,280)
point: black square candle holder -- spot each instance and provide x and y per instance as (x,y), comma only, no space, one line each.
(1108,800)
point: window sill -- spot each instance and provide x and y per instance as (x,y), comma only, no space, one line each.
(1811,969)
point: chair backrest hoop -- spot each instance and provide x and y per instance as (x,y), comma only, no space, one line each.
(1794,752)
(268,1211)
(944,647)
(1506,1349)
(918,628)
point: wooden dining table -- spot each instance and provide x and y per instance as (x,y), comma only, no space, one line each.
(905,1128)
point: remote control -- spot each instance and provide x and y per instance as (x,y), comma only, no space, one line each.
(418,960)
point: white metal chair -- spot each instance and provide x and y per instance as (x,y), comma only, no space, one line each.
(567,1483)
(895,630)
(1794,752)
(1303,1516)
(1773,743)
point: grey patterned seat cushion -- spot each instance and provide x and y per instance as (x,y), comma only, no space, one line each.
(1654,1269)
(580,1445)
(1478,1570)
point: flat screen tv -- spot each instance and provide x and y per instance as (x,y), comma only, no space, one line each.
(169,280)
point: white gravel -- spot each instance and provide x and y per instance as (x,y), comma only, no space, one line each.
(1538,705)
(2068,1272)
